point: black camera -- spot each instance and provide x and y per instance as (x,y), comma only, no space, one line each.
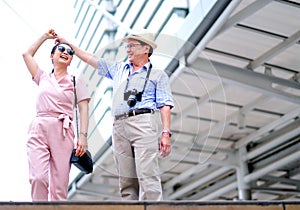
(132,96)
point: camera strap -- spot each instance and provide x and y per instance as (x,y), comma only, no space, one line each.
(146,79)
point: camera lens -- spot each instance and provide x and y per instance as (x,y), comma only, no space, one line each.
(131,100)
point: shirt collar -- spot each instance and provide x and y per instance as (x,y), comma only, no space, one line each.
(129,66)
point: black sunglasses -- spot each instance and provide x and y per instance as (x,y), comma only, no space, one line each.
(62,49)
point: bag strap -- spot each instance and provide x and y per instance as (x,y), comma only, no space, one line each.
(76,107)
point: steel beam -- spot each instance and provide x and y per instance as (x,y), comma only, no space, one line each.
(250,80)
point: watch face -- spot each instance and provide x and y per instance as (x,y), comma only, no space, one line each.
(84,133)
(167,132)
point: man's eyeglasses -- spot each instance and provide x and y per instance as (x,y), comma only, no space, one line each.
(62,49)
(131,45)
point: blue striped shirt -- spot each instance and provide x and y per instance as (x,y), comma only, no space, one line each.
(157,92)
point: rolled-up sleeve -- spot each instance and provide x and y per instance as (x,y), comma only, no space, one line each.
(107,69)
(38,76)
(163,92)
(82,91)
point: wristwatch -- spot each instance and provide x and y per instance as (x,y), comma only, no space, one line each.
(84,133)
(167,131)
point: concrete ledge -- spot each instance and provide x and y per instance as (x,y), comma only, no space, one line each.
(163,205)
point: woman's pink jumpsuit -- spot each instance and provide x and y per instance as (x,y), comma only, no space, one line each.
(51,136)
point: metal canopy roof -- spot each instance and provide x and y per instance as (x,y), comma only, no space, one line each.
(237,105)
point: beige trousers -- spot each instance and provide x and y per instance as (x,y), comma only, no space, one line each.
(135,148)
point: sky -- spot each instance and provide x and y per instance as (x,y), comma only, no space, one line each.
(22,22)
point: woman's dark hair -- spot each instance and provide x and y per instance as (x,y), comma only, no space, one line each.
(55,46)
(144,43)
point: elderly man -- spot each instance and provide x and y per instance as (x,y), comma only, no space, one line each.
(140,91)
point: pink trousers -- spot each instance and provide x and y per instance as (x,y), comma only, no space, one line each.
(49,158)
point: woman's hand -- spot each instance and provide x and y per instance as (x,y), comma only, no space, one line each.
(50,34)
(82,145)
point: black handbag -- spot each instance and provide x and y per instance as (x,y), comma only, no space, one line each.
(85,162)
